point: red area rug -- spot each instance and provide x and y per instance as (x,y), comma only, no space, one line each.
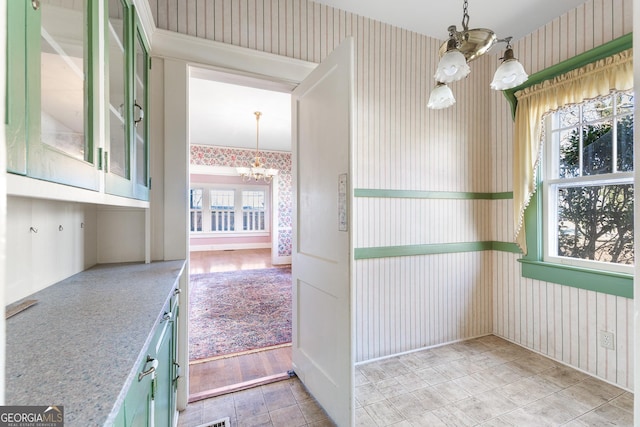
(236,311)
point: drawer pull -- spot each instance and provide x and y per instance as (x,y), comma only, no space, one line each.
(151,370)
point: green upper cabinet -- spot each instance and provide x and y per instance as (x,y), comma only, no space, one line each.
(50,116)
(126,156)
(59,126)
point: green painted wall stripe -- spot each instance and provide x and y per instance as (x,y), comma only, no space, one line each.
(415,194)
(433,249)
(506,247)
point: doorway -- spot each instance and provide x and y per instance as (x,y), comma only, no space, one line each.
(232,372)
(223,137)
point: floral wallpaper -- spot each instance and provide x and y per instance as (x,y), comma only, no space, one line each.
(206,155)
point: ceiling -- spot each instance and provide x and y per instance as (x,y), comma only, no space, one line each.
(222,106)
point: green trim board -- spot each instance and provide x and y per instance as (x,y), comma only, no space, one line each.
(611,48)
(433,249)
(417,194)
(618,284)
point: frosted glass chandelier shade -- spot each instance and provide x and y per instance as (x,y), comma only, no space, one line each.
(509,74)
(441,97)
(452,67)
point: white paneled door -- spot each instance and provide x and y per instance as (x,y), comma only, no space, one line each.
(322,255)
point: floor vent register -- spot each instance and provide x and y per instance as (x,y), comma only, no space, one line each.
(222,422)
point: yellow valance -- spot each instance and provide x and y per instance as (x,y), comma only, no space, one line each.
(596,79)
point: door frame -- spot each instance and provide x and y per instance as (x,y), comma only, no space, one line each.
(169,213)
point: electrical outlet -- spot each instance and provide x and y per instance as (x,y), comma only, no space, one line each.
(607,340)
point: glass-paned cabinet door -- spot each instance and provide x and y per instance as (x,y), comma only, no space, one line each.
(140,119)
(59,55)
(118,157)
(16,90)
(63,77)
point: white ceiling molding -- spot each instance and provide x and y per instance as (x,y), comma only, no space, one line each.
(202,52)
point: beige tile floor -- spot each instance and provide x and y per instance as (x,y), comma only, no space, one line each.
(284,403)
(487,381)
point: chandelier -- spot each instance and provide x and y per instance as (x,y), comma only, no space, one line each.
(463,47)
(257,170)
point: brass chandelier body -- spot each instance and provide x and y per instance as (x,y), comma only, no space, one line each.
(463,47)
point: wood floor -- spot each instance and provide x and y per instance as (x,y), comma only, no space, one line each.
(227,374)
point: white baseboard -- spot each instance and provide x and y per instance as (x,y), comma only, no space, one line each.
(280,260)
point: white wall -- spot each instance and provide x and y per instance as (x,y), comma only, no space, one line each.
(560,321)
(64,244)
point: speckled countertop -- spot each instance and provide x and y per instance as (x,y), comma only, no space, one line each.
(81,344)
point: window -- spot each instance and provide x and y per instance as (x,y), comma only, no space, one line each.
(588,184)
(253,203)
(222,210)
(573,192)
(229,209)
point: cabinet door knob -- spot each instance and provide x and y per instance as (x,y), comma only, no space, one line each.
(35,4)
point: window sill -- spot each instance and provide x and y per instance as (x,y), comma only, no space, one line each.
(618,284)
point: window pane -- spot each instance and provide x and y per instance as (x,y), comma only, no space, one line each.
(196,209)
(569,146)
(597,151)
(569,116)
(596,223)
(625,143)
(597,109)
(253,210)
(63,77)
(624,103)
(222,210)
(196,220)
(196,198)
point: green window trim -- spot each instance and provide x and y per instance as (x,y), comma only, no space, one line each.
(533,266)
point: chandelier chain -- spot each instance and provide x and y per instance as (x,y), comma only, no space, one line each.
(465,17)
(257,159)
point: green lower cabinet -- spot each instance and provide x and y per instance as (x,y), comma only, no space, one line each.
(137,405)
(151,401)
(163,412)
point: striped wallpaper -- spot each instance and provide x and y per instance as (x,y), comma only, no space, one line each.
(558,321)
(404,303)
